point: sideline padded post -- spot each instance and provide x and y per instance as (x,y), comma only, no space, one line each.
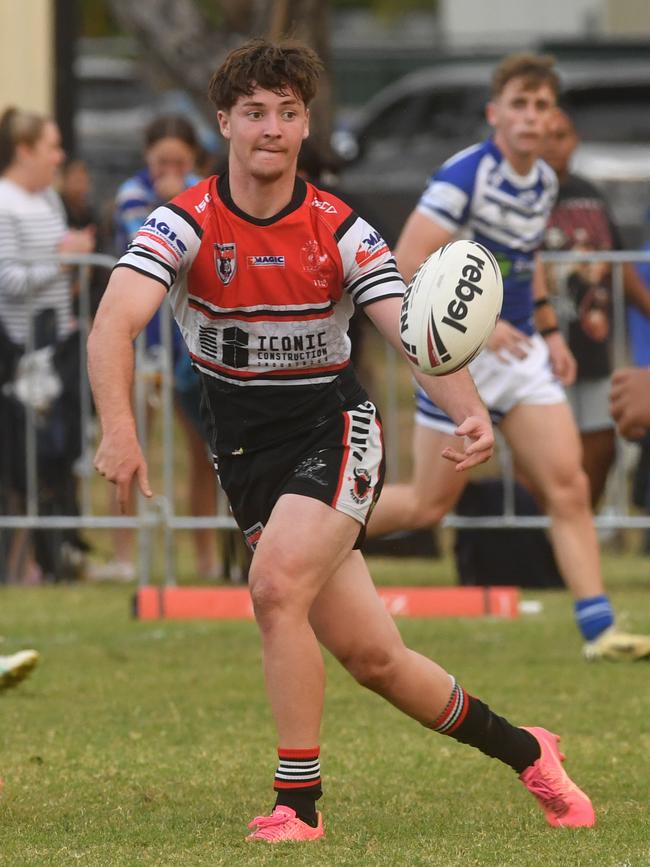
(233,603)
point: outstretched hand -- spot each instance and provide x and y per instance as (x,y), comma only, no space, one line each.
(479,443)
(629,401)
(119,458)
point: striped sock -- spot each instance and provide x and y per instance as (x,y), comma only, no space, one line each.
(470,721)
(298,782)
(593,616)
(455,711)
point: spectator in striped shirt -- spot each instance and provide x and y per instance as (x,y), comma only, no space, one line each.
(36,296)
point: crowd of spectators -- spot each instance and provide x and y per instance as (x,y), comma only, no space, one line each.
(47,208)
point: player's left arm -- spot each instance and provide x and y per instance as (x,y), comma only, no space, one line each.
(455,393)
(562,361)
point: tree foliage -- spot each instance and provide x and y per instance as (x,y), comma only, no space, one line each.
(188,39)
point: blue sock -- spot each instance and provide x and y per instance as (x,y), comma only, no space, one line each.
(593,616)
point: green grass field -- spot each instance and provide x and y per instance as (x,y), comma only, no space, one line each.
(151,743)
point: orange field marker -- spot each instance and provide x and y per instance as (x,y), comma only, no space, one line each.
(233,603)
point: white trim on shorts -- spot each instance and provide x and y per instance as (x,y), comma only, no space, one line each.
(359,474)
(502,385)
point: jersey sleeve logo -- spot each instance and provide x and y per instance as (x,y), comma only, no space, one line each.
(160,231)
(371,247)
(225,261)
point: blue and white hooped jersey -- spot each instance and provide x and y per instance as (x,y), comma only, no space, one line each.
(478,193)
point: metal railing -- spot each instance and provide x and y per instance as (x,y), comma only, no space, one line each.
(151,515)
(160,513)
(619,516)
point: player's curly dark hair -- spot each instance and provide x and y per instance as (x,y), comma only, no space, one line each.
(535,69)
(283,66)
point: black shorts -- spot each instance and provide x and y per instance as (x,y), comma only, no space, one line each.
(339,462)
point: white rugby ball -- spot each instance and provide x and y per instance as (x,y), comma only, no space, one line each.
(450,307)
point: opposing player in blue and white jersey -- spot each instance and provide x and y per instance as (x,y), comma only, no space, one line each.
(501,194)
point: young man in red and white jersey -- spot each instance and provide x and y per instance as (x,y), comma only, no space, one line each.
(263,271)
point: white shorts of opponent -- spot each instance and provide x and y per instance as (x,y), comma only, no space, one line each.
(502,384)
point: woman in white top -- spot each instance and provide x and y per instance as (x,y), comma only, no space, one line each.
(33,288)
(32,225)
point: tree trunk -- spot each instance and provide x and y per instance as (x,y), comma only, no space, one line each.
(177,37)
(308,20)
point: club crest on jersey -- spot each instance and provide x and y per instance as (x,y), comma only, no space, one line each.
(225,261)
(312,257)
(361,485)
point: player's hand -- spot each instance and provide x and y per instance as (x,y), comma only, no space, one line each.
(563,364)
(119,458)
(507,341)
(629,401)
(479,443)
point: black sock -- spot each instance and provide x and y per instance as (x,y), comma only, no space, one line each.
(303,803)
(470,721)
(298,783)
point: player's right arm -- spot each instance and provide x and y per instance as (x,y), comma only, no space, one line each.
(129,302)
(162,250)
(420,237)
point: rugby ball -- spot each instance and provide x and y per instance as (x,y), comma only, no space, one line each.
(450,307)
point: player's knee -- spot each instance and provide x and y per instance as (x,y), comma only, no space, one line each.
(279,586)
(272,594)
(372,667)
(268,595)
(428,512)
(570,493)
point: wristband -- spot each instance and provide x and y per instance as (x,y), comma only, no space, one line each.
(546,331)
(541,302)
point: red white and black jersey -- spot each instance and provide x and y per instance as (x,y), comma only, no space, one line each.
(264,305)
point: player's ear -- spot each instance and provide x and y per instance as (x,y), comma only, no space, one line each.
(305,133)
(490,113)
(223,118)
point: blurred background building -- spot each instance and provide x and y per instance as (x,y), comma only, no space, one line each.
(104,68)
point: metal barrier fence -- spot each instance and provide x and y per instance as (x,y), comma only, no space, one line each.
(160,513)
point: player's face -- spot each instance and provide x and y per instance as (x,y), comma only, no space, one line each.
(42,159)
(265,131)
(520,117)
(561,140)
